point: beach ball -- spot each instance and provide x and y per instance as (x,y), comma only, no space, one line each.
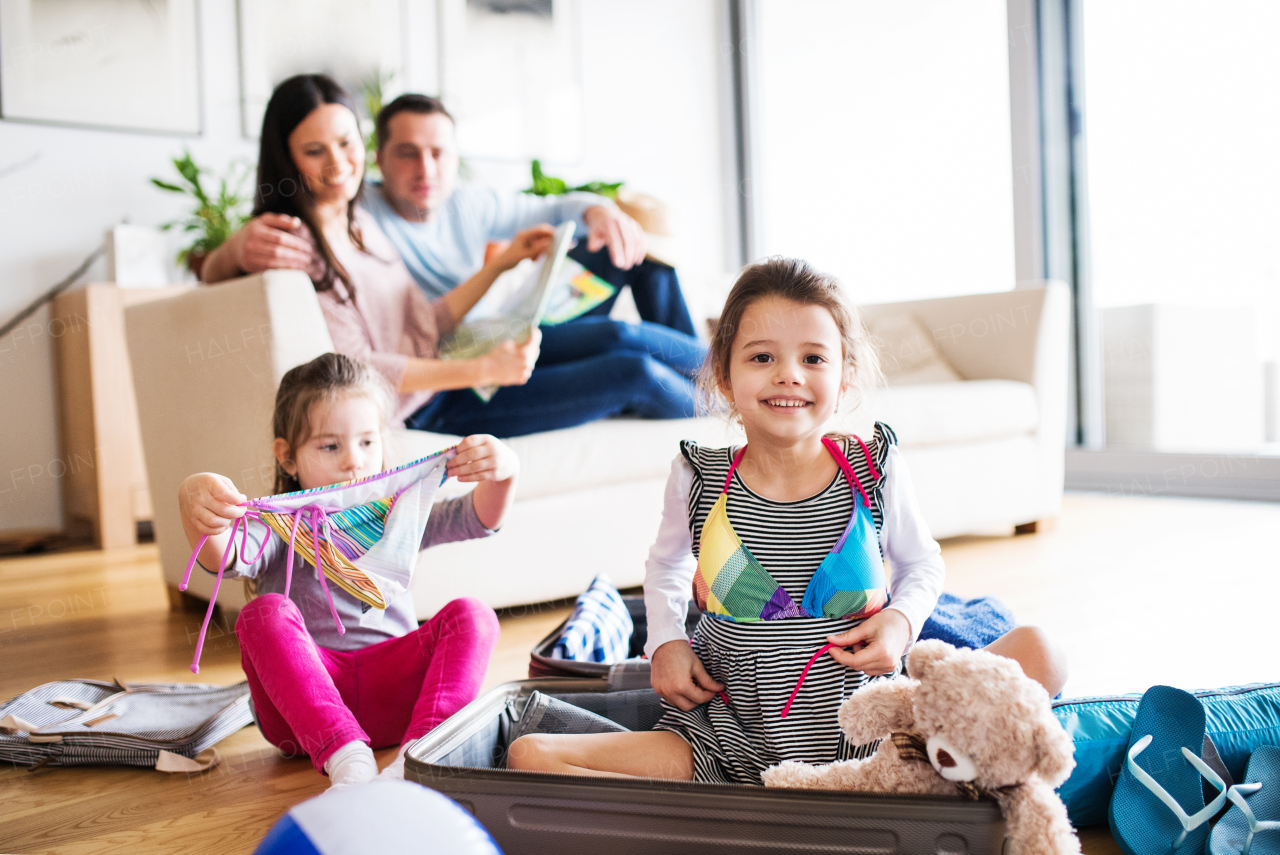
(382,817)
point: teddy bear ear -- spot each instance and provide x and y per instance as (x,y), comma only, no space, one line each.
(1055,752)
(925,654)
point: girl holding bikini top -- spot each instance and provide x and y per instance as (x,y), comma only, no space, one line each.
(782,543)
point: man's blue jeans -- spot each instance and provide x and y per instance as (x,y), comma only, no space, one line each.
(587,369)
(654,287)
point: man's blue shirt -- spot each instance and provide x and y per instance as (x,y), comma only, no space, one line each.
(449,248)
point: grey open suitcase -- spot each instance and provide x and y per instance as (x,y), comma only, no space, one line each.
(529,812)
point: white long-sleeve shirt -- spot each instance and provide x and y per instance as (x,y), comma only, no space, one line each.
(916,559)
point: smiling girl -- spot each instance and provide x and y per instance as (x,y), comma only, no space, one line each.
(782,543)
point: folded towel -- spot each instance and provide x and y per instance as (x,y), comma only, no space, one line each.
(972,623)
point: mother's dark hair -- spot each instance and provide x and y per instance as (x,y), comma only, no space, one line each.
(281,188)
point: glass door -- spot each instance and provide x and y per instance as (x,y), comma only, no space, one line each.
(1183,141)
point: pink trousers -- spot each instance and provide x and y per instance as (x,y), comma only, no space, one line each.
(313,700)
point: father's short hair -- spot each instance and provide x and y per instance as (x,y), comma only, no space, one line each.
(410,102)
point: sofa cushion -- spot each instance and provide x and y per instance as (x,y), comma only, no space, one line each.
(605,452)
(907,352)
(946,413)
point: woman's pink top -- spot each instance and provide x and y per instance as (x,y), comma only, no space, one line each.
(390,320)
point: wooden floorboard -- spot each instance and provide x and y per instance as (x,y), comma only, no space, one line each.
(1138,590)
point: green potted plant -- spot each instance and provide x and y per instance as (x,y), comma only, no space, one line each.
(546,185)
(373,90)
(214,218)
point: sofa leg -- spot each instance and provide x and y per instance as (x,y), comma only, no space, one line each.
(1035,526)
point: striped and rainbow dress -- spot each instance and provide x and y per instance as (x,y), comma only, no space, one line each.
(760,661)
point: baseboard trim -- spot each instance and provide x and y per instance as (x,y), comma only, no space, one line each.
(1139,473)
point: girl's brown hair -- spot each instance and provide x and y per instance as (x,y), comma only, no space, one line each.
(794,280)
(322,379)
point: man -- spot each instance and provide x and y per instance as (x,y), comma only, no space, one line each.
(441,228)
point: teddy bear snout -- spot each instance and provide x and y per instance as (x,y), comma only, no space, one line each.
(949,761)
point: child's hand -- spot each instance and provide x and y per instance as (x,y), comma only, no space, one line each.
(529,243)
(677,674)
(877,642)
(209,503)
(484,458)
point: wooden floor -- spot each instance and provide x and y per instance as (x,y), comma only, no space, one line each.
(1139,590)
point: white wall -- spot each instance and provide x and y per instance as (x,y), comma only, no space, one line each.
(53,212)
(653,118)
(650,74)
(884,133)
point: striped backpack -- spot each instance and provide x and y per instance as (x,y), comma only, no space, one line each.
(167,726)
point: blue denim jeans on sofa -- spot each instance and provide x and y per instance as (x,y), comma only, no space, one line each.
(654,287)
(591,367)
(587,369)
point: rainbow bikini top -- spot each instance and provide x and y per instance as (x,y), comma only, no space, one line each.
(730,584)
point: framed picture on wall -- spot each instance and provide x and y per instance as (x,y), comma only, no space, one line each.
(359,43)
(131,65)
(511,75)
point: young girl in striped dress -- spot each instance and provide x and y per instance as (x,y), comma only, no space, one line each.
(782,543)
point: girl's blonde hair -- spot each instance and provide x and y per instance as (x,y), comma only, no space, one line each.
(794,280)
(322,379)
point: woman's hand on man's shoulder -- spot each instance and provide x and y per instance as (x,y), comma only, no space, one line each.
(267,242)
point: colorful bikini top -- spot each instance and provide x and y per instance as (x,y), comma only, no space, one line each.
(363,535)
(731,584)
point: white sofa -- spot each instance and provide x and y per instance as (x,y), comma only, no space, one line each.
(206,365)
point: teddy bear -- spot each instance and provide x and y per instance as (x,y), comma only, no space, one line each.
(967,723)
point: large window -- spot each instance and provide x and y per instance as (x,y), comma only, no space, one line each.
(884,140)
(1183,137)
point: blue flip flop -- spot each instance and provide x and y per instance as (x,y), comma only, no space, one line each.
(1158,806)
(1241,832)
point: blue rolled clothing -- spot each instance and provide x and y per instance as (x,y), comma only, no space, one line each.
(968,623)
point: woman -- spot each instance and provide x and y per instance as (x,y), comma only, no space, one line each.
(311,173)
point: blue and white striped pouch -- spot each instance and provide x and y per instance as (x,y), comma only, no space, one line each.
(599,630)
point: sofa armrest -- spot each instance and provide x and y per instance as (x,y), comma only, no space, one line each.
(1021,335)
(206,366)
(1000,336)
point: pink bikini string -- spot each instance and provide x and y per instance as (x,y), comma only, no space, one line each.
(840,461)
(786,709)
(853,479)
(243,524)
(317,516)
